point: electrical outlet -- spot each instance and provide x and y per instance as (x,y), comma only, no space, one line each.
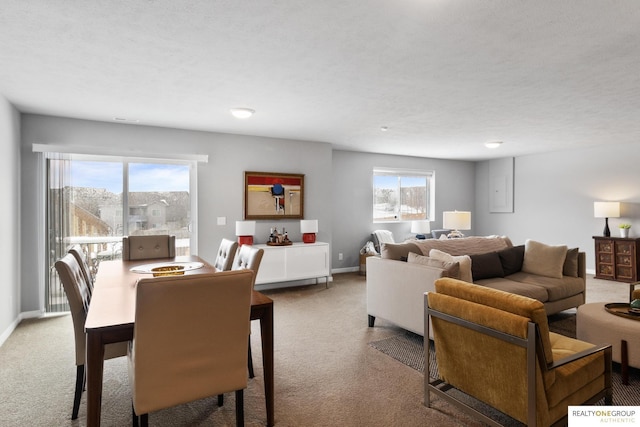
(340,257)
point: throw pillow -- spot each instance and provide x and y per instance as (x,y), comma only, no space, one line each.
(464,260)
(544,260)
(397,251)
(511,259)
(570,267)
(486,266)
(451,269)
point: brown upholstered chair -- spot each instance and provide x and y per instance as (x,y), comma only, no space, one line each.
(79,297)
(78,254)
(148,247)
(190,340)
(226,254)
(496,347)
(249,257)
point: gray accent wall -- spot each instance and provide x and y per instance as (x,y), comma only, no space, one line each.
(553,192)
(10,242)
(220,181)
(352,198)
(554,195)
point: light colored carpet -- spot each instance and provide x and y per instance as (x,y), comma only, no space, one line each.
(326,374)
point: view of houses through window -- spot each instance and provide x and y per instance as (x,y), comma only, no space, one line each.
(93,203)
(400,195)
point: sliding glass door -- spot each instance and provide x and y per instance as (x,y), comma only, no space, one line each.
(93,202)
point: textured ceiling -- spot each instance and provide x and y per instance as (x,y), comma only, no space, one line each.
(444,76)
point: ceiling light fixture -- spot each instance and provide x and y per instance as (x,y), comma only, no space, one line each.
(242,113)
(384,128)
(493,144)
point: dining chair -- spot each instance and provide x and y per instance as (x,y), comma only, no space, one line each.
(78,253)
(148,247)
(226,254)
(249,258)
(189,340)
(79,297)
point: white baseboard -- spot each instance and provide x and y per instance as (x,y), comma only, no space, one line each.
(345,270)
(26,315)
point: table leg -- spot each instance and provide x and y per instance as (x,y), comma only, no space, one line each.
(94,367)
(624,362)
(266,331)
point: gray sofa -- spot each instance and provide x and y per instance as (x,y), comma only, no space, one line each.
(398,279)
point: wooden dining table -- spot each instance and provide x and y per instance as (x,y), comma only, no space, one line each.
(111,319)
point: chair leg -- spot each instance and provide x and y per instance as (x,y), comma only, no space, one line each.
(220,400)
(134,417)
(239,408)
(251,373)
(144,420)
(78,394)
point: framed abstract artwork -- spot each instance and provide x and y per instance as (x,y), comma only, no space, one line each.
(270,195)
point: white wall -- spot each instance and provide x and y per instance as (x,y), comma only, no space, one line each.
(10,242)
(554,195)
(220,182)
(352,198)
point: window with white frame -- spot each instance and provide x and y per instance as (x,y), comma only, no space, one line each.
(402,195)
(93,201)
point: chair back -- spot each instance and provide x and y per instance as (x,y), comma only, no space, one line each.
(148,247)
(77,291)
(501,379)
(78,254)
(190,338)
(380,237)
(226,254)
(248,258)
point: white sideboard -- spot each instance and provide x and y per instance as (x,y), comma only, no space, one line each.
(298,261)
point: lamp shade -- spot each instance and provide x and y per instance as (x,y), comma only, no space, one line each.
(245,231)
(606,209)
(456,220)
(420,227)
(308,226)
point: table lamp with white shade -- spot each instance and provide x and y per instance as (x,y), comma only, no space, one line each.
(309,228)
(420,228)
(456,221)
(245,231)
(606,210)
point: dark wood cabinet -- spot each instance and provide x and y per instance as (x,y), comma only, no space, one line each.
(617,258)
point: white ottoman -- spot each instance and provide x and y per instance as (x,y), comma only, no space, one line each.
(594,324)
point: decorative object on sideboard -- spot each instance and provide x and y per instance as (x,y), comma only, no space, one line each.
(606,210)
(624,230)
(309,228)
(245,231)
(456,221)
(420,228)
(269,195)
(279,239)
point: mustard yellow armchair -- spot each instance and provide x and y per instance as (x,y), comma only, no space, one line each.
(636,294)
(497,348)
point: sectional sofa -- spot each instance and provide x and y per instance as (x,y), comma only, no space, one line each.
(398,279)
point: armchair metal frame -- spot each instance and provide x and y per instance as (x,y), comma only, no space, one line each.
(533,347)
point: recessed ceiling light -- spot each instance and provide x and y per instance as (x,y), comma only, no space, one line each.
(384,128)
(242,113)
(493,144)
